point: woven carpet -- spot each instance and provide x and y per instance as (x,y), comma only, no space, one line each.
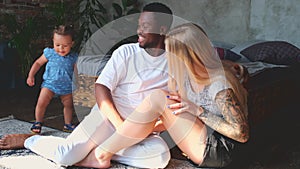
(25,159)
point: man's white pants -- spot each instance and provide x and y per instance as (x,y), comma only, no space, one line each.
(153,152)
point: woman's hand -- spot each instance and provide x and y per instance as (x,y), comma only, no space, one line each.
(183,106)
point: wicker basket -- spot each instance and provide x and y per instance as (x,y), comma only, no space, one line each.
(84,95)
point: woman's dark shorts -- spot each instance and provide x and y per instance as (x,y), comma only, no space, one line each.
(218,151)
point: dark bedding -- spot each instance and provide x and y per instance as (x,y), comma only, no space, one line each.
(272,90)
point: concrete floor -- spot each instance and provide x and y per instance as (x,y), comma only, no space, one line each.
(21,104)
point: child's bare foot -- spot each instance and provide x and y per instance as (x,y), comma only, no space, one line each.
(13,141)
(95,161)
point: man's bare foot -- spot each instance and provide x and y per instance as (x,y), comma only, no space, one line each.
(94,161)
(13,141)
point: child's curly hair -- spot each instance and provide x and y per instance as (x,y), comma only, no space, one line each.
(64,30)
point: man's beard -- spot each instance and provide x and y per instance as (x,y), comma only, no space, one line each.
(148,45)
(152,44)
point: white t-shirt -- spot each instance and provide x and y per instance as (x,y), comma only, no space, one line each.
(131,74)
(206,98)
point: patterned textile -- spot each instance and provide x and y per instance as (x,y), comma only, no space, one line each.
(58,74)
(275,52)
(84,94)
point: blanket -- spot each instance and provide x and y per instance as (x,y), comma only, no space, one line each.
(25,159)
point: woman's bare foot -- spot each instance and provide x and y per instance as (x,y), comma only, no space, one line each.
(95,160)
(13,141)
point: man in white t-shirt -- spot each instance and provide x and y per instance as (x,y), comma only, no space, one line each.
(133,71)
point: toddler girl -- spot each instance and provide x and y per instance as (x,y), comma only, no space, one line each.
(57,78)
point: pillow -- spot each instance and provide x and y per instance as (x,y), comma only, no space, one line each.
(241,46)
(103,63)
(227,54)
(221,44)
(91,65)
(274,52)
(238,48)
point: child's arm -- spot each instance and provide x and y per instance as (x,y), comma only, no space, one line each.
(35,68)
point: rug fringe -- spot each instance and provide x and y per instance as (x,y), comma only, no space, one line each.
(7,118)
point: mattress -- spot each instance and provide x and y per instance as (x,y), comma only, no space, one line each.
(271,90)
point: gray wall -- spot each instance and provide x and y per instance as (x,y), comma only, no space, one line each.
(275,19)
(237,21)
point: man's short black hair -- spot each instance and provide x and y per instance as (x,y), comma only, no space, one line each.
(166,18)
(157,7)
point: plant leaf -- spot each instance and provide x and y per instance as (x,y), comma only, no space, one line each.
(131,2)
(124,4)
(133,11)
(118,9)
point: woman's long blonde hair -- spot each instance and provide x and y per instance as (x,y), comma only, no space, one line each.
(189,51)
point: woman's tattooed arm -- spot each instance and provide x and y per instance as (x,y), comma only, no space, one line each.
(235,124)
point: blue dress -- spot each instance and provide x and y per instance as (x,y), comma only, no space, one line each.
(59,70)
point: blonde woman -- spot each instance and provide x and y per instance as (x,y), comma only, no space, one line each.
(208,94)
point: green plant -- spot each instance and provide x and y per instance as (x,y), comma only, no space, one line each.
(92,15)
(31,36)
(22,38)
(86,15)
(127,7)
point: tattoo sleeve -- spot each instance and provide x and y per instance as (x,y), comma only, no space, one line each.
(234,123)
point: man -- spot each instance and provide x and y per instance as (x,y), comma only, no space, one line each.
(133,71)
